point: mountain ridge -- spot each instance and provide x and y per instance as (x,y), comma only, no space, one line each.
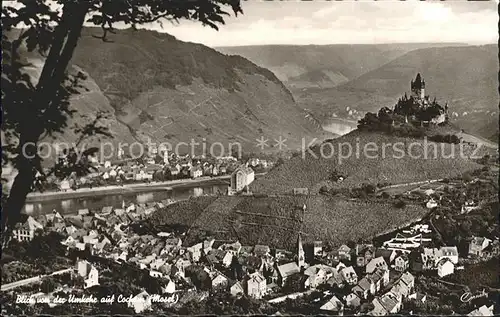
(342,62)
(180,91)
(155,87)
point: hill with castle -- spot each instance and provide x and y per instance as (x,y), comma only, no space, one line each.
(464,76)
(417,123)
(410,114)
(273,214)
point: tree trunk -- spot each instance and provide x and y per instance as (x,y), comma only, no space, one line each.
(21,186)
(53,74)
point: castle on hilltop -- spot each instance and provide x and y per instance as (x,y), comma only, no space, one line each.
(419,106)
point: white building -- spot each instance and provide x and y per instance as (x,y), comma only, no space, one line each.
(88,272)
(169,288)
(140,302)
(445,267)
(334,305)
(26,230)
(477,245)
(256,285)
(482,311)
(241,177)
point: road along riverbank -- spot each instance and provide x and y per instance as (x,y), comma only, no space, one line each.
(127,188)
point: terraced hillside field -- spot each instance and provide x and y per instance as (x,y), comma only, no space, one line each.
(277,220)
(375,158)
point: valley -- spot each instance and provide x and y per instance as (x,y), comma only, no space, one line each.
(367,78)
(228,157)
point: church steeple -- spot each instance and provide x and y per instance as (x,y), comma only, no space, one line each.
(300,252)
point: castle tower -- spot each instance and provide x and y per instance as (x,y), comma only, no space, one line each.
(300,253)
(418,87)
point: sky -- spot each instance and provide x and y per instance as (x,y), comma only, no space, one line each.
(349,22)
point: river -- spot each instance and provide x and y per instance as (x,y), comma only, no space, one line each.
(68,206)
(339,126)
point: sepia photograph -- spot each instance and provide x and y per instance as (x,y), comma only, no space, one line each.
(250,157)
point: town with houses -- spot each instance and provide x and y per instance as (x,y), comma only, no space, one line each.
(400,272)
(352,278)
(157,165)
(343,160)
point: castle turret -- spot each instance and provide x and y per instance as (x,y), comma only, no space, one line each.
(418,87)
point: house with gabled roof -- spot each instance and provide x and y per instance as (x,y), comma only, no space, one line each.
(256,285)
(168,287)
(352,300)
(364,288)
(157,263)
(79,233)
(364,254)
(195,251)
(287,270)
(90,240)
(246,250)
(388,255)
(376,263)
(233,248)
(26,231)
(482,311)
(219,282)
(89,272)
(155,274)
(217,256)
(334,304)
(207,244)
(70,229)
(445,267)
(251,263)
(83,212)
(401,290)
(477,245)
(349,275)
(318,274)
(388,303)
(318,248)
(240,178)
(344,252)
(450,252)
(336,280)
(380,278)
(140,302)
(408,279)
(261,250)
(402,262)
(235,288)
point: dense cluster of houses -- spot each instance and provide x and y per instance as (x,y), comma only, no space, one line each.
(380,275)
(365,274)
(159,165)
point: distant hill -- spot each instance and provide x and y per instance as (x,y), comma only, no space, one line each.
(156,87)
(402,161)
(173,91)
(306,66)
(464,76)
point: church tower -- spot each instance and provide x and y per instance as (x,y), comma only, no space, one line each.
(418,87)
(300,253)
(165,157)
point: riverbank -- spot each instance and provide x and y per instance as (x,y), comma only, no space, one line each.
(127,188)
